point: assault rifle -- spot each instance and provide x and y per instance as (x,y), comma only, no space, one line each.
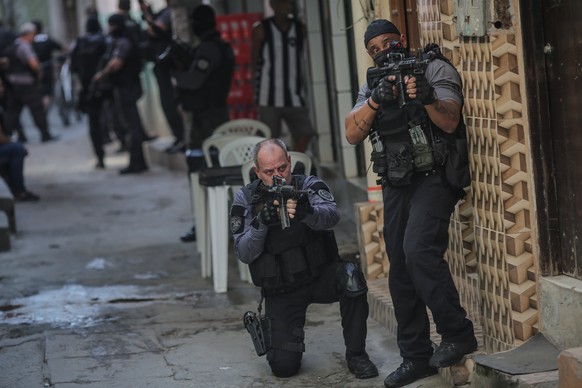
(400,67)
(178,54)
(147,15)
(280,191)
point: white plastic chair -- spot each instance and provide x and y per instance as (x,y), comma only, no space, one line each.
(237,152)
(201,198)
(218,141)
(244,127)
(300,157)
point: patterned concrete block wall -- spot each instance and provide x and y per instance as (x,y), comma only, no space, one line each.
(373,257)
(490,249)
(436,25)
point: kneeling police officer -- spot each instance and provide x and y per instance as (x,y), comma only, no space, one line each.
(297,263)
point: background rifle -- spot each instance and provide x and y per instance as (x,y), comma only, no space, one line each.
(148,17)
(177,53)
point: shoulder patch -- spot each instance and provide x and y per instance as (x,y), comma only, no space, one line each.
(236,224)
(202,64)
(325,195)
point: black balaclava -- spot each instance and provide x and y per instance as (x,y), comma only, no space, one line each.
(203,19)
(92,25)
(386,55)
(117,21)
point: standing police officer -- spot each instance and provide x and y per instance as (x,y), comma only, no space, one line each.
(160,35)
(123,68)
(298,265)
(86,55)
(203,83)
(203,88)
(418,201)
(23,75)
(45,46)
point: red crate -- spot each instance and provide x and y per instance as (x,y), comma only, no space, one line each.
(237,30)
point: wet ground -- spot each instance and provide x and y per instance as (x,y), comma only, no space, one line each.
(98,290)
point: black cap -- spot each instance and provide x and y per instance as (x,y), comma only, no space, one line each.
(379,27)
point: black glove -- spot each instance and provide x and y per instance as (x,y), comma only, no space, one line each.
(303,207)
(383,93)
(269,214)
(424,92)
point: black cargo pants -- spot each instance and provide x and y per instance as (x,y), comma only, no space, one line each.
(288,311)
(416,224)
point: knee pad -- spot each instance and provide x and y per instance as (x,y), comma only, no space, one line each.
(351,279)
(284,363)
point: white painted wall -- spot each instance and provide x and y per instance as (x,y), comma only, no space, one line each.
(318,99)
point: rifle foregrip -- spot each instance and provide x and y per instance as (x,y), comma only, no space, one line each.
(285,223)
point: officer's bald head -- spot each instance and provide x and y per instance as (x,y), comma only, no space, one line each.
(271,158)
(268,145)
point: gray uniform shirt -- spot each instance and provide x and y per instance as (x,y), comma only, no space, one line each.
(249,241)
(25,53)
(440,75)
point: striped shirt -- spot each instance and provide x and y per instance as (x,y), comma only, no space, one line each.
(280,78)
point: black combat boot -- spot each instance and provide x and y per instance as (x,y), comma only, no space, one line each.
(450,353)
(360,365)
(408,372)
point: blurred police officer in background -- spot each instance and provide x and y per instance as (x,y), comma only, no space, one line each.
(86,55)
(45,47)
(23,85)
(123,68)
(204,85)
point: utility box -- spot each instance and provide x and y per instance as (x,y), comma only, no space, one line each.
(471,17)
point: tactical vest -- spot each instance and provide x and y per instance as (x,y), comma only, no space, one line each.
(292,257)
(87,54)
(15,65)
(128,75)
(399,159)
(213,92)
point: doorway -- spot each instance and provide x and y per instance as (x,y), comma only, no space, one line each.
(554,52)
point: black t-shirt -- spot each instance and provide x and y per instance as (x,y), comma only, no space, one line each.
(44,46)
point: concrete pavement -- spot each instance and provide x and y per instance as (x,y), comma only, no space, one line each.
(98,290)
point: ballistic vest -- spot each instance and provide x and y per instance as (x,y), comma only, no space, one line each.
(18,72)
(392,124)
(128,75)
(87,54)
(207,88)
(294,256)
